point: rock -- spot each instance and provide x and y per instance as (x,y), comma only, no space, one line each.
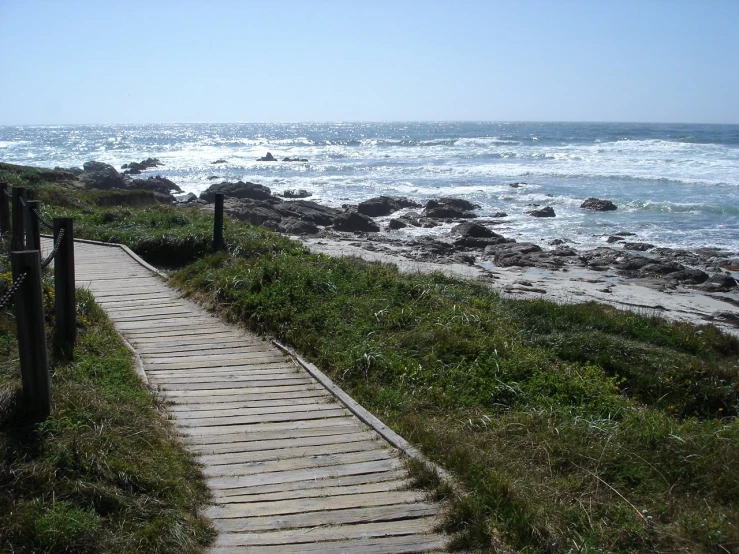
(457,203)
(613,238)
(221,161)
(288,159)
(188,198)
(556,242)
(300,193)
(598,205)
(688,276)
(254,211)
(499,214)
(268,158)
(625,234)
(213,177)
(720,282)
(638,246)
(448,212)
(294,226)
(306,210)
(516,185)
(523,254)
(660,268)
(135,168)
(237,190)
(464,258)
(472,230)
(157,184)
(384,205)
(481,242)
(98,175)
(395,224)
(564,251)
(355,222)
(544,212)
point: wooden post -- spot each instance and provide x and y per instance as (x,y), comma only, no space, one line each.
(218,223)
(29,316)
(33,236)
(65,334)
(17,242)
(4,209)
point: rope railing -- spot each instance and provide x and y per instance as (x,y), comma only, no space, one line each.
(51,256)
(43,221)
(9,295)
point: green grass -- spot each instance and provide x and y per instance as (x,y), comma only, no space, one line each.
(104,473)
(574,428)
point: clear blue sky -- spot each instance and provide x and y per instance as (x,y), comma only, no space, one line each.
(222,61)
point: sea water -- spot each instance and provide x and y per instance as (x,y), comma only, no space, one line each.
(675,185)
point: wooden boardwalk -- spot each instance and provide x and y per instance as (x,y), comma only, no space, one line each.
(291,469)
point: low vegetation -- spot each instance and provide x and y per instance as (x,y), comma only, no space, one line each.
(574,428)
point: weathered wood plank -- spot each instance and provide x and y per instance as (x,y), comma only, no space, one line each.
(230,384)
(245,411)
(269,445)
(255,433)
(261,418)
(316,426)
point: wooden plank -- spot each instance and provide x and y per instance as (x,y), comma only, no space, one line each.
(283,453)
(315,426)
(305,399)
(177,361)
(264,370)
(230,384)
(314,492)
(247,445)
(306,505)
(405,544)
(273,391)
(330,517)
(261,418)
(297,487)
(258,359)
(302,474)
(182,348)
(253,400)
(298,409)
(255,434)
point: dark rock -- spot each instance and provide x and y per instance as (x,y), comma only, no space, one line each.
(613,239)
(297,227)
(354,222)
(213,177)
(289,159)
(395,224)
(638,246)
(499,214)
(457,203)
(598,205)
(556,242)
(98,175)
(464,258)
(385,205)
(157,184)
(253,211)
(237,190)
(268,158)
(544,212)
(720,282)
(307,210)
(564,251)
(135,168)
(448,212)
(468,229)
(660,268)
(523,254)
(189,198)
(516,185)
(688,276)
(625,234)
(221,161)
(300,193)
(481,242)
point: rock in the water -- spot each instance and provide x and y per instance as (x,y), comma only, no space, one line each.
(157,184)
(221,161)
(468,229)
(614,238)
(135,168)
(598,205)
(99,175)
(213,177)
(544,212)
(268,158)
(384,205)
(448,212)
(188,198)
(499,214)
(237,190)
(564,251)
(516,185)
(299,193)
(307,210)
(288,159)
(458,203)
(720,282)
(355,222)
(638,246)
(297,227)
(395,224)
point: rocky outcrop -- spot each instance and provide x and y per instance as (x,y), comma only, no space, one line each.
(268,158)
(306,210)
(638,246)
(238,189)
(544,212)
(355,222)
(99,175)
(288,159)
(598,205)
(384,205)
(135,168)
(720,282)
(293,226)
(156,184)
(524,254)
(299,193)
(221,161)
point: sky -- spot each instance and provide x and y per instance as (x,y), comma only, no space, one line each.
(164,61)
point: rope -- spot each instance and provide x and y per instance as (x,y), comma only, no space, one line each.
(23,202)
(50,257)
(42,220)
(11,292)
(8,195)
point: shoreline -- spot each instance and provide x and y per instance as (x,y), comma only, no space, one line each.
(565,286)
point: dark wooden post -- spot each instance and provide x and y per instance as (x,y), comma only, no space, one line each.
(29,316)
(65,334)
(4,208)
(218,223)
(33,236)
(17,242)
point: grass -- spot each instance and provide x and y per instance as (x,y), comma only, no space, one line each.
(104,473)
(575,428)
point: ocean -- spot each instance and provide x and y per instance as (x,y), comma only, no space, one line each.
(675,185)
